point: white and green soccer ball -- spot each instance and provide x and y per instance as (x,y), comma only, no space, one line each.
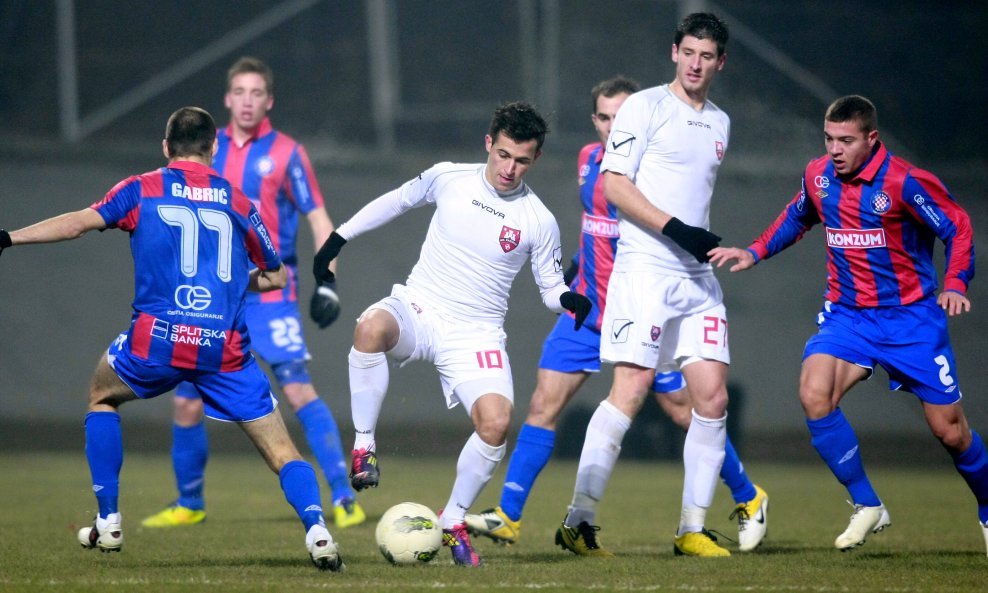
(409,533)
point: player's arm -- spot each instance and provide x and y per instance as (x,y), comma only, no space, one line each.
(324,306)
(63,227)
(265,280)
(623,193)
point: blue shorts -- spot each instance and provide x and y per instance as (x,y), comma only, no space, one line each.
(566,350)
(910,342)
(236,396)
(276,338)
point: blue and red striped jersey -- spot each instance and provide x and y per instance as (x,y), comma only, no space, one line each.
(193,237)
(275,172)
(881,225)
(598,234)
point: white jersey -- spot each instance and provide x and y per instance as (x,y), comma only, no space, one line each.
(671,152)
(477,242)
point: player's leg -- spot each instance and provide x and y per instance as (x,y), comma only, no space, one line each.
(104,452)
(751,510)
(323,437)
(703,454)
(298,482)
(490,412)
(190,453)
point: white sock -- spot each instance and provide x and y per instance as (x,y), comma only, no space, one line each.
(474,469)
(600,453)
(369,376)
(703,456)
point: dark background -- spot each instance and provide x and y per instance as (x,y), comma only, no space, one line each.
(923,64)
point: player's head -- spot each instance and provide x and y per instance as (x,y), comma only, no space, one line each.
(850,132)
(190,132)
(699,51)
(249,92)
(514,141)
(608,96)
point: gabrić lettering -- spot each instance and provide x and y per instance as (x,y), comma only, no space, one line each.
(199,194)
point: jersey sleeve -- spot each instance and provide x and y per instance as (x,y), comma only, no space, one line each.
(629,137)
(120,206)
(260,248)
(300,181)
(416,192)
(547,263)
(932,205)
(792,223)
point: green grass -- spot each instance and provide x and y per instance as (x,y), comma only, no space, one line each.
(253,542)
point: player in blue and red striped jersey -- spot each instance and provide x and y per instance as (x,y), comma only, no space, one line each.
(192,235)
(881,217)
(569,357)
(275,173)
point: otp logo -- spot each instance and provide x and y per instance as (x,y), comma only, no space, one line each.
(196,298)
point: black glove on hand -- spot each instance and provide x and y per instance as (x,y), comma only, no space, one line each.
(324,307)
(327,253)
(571,272)
(5,241)
(693,239)
(577,304)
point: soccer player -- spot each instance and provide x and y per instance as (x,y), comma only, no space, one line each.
(881,216)
(192,234)
(275,173)
(450,310)
(664,305)
(569,356)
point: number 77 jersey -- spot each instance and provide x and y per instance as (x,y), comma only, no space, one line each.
(192,236)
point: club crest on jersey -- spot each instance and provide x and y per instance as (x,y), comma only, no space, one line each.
(719,149)
(509,238)
(881,202)
(655,333)
(264,166)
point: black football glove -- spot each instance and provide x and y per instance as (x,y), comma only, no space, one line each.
(5,241)
(571,272)
(327,253)
(577,304)
(324,308)
(693,239)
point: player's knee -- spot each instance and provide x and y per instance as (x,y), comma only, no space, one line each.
(188,411)
(374,333)
(955,436)
(491,417)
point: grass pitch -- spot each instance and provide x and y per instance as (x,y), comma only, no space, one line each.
(252,540)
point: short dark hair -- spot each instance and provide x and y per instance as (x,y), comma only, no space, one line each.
(520,122)
(853,108)
(704,25)
(613,86)
(190,131)
(248,64)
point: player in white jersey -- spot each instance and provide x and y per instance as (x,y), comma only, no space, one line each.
(664,307)
(450,311)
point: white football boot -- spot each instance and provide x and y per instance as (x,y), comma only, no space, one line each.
(104,534)
(322,549)
(864,521)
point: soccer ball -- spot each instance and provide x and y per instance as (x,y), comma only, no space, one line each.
(409,533)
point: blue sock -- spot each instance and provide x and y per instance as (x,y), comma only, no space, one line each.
(972,464)
(324,440)
(190,451)
(104,450)
(298,481)
(732,473)
(532,452)
(835,441)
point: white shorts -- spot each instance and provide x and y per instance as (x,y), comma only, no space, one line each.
(470,356)
(663,322)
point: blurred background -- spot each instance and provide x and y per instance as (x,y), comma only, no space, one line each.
(379,90)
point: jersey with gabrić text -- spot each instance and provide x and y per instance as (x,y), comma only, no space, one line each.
(275,173)
(193,237)
(880,228)
(598,234)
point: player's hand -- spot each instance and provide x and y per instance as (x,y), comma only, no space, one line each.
(5,241)
(571,272)
(698,242)
(577,304)
(327,253)
(324,308)
(954,303)
(722,255)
